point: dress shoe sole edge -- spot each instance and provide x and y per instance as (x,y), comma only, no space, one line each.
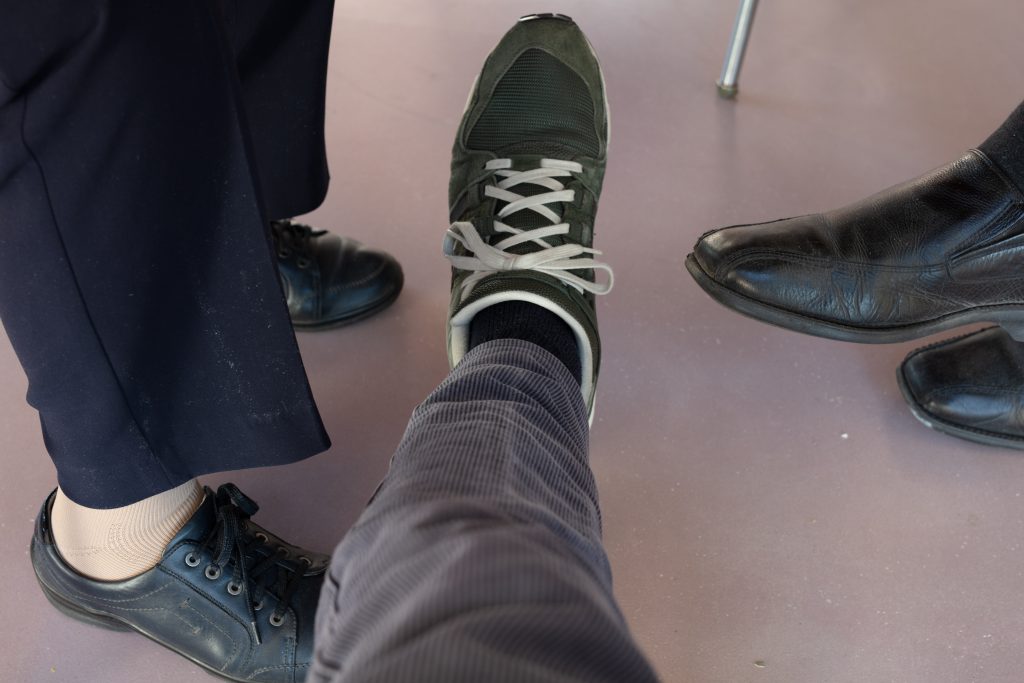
(1010,318)
(358,316)
(112,623)
(80,614)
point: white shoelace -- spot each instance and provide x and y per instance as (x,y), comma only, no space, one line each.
(555,261)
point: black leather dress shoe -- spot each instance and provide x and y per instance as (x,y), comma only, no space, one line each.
(940,251)
(971,387)
(227,594)
(329,280)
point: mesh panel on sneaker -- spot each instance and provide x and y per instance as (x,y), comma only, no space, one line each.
(538,105)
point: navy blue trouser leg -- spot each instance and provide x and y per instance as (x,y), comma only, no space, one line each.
(280,49)
(137,281)
(480,556)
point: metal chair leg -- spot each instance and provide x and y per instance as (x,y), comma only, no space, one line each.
(728,83)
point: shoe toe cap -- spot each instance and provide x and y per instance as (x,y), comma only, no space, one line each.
(804,240)
(716,248)
(765,262)
(973,382)
(357,280)
(793,266)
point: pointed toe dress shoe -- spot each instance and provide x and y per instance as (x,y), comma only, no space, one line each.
(970,386)
(944,250)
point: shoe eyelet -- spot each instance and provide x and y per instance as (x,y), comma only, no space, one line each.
(258,606)
(284,552)
(212,572)
(303,263)
(262,537)
(276,620)
(283,253)
(234,588)
(192,560)
(306,561)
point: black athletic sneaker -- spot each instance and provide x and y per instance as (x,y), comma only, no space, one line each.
(527,169)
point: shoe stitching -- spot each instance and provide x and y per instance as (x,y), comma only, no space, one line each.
(1017,205)
(866,326)
(824,262)
(918,351)
(71,592)
(292,667)
(714,231)
(234,643)
(856,269)
(360,282)
(292,640)
(994,229)
(1010,185)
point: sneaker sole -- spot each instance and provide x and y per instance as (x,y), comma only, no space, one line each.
(1010,318)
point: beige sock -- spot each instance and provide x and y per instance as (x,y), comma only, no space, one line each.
(111,545)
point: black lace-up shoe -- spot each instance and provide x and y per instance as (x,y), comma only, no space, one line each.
(931,254)
(227,594)
(971,387)
(329,280)
(528,166)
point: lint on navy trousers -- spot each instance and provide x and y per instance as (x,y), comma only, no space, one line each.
(143,147)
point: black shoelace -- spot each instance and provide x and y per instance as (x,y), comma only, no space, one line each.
(257,565)
(294,238)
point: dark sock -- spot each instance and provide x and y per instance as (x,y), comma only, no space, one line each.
(529,322)
(1006,146)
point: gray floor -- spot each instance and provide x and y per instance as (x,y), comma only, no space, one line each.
(772,510)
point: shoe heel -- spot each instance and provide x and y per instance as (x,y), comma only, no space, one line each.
(80,614)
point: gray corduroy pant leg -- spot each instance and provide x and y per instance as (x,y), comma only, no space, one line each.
(479,558)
